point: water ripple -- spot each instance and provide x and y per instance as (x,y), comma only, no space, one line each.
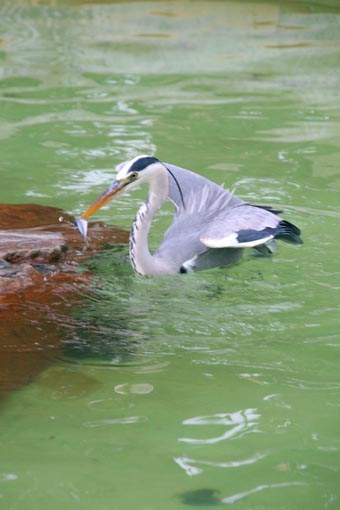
(239,423)
(126,420)
(236,497)
(192,466)
(137,389)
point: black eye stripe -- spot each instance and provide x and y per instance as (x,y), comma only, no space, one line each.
(142,163)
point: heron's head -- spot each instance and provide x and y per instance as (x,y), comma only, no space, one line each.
(130,174)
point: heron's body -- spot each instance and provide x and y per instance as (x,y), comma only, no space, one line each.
(211,226)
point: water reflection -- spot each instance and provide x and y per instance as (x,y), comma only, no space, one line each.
(195,466)
(238,423)
(126,420)
(237,497)
(138,389)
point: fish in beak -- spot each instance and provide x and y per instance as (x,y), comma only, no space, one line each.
(112,191)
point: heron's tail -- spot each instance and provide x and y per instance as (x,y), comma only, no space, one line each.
(288,232)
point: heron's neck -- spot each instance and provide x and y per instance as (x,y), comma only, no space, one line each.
(141,258)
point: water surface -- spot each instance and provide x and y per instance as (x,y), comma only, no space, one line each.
(217,388)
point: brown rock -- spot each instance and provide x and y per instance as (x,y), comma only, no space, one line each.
(46,238)
(30,244)
(40,250)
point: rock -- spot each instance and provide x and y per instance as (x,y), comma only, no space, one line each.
(40,251)
(18,245)
(46,239)
(16,277)
(21,216)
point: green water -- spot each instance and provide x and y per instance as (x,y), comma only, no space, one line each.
(216,388)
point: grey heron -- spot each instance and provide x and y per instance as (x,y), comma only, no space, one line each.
(211,226)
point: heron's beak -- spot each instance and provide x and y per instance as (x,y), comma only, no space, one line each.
(112,191)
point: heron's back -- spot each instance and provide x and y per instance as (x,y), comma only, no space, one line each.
(201,201)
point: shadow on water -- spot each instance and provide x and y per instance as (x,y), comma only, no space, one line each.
(103,332)
(200,497)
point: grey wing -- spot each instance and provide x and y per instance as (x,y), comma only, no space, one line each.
(200,203)
(247,225)
(197,200)
(192,183)
(181,243)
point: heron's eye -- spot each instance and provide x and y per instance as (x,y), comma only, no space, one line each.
(133,175)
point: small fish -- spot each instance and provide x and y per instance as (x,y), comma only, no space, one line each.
(82,227)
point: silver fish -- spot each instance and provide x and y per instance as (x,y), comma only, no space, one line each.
(82,227)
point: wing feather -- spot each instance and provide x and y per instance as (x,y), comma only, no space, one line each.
(247,226)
